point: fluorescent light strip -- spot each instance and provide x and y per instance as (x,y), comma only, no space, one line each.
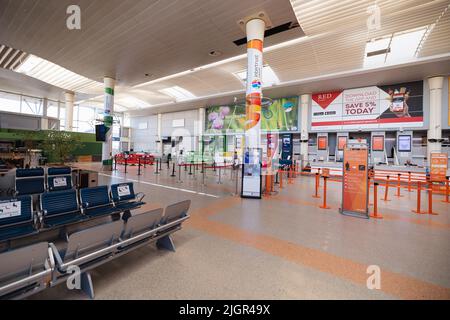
(221,62)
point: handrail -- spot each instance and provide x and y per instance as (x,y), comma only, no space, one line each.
(16,284)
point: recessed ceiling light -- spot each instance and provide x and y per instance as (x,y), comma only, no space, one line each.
(215,53)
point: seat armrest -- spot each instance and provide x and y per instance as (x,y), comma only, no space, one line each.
(140,196)
(56,255)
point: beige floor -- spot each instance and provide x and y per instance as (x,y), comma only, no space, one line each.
(281,247)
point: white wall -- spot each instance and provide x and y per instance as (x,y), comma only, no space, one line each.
(144,133)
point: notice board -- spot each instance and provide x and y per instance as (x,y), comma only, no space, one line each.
(355,182)
(438,166)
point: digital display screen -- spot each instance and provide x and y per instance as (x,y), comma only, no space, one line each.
(322,143)
(100,132)
(378,143)
(342,141)
(404,143)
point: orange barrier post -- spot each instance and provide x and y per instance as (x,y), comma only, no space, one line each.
(418,199)
(386,189)
(409,181)
(280,172)
(398,185)
(290,176)
(324,205)
(430,199)
(375,202)
(316,195)
(446,191)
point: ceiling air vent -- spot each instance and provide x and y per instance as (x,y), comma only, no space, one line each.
(272,31)
(10,58)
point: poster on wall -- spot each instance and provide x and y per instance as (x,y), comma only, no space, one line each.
(369,107)
(355,184)
(251,174)
(278,115)
(378,143)
(438,166)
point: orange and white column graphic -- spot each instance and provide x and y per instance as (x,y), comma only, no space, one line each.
(255,36)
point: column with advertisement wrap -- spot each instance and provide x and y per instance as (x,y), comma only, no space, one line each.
(251,177)
(108,122)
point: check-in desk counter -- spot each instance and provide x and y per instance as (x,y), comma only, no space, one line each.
(407,173)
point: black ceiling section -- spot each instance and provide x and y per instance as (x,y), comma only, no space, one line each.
(270,32)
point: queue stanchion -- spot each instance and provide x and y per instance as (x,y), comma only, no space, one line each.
(324,205)
(386,189)
(160,164)
(203,166)
(190,168)
(375,202)
(126,164)
(447,190)
(214,165)
(398,185)
(179,174)
(237,179)
(115,162)
(220,175)
(316,194)
(145,162)
(281,178)
(430,198)
(173,170)
(203,174)
(419,183)
(139,166)
(409,181)
(277,177)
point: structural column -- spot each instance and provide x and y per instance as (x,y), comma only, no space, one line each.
(159,147)
(108,122)
(304,135)
(255,36)
(435,123)
(200,129)
(70,98)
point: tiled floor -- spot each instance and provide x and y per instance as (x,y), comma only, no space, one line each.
(283,246)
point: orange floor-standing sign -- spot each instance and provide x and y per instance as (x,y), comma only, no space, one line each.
(438,166)
(355,182)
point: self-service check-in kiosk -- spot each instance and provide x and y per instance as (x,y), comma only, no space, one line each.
(378,148)
(404,146)
(322,147)
(342,140)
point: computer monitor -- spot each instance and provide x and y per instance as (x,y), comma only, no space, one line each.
(404,143)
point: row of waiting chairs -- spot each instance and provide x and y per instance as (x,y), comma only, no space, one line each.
(31,269)
(36,181)
(62,208)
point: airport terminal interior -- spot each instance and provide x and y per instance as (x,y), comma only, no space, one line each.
(211,149)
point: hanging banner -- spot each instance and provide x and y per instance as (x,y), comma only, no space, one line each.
(279,115)
(355,183)
(438,166)
(369,108)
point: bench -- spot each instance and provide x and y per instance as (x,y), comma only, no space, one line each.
(17,218)
(59,178)
(29,181)
(97,245)
(124,198)
(25,271)
(59,208)
(95,202)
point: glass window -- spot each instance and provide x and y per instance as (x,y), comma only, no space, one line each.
(31,105)
(84,126)
(52,109)
(9,102)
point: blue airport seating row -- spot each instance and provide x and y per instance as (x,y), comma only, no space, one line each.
(61,208)
(31,269)
(36,181)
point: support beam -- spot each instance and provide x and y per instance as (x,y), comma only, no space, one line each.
(304,135)
(435,123)
(70,98)
(108,122)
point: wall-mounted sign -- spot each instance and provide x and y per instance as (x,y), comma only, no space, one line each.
(369,108)
(280,115)
(438,166)
(342,142)
(377,143)
(404,143)
(322,143)
(355,184)
(177,123)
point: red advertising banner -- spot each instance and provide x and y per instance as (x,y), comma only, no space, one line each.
(438,166)
(378,143)
(322,143)
(342,142)
(355,184)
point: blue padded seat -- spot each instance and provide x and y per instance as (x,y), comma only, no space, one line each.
(95,202)
(59,178)
(59,171)
(124,197)
(29,181)
(14,225)
(60,208)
